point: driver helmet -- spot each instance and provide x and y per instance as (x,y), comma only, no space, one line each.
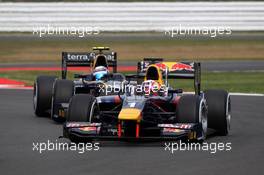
(99,72)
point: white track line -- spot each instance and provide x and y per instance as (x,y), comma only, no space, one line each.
(237,94)
(246,94)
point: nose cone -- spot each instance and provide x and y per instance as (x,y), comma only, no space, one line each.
(130,114)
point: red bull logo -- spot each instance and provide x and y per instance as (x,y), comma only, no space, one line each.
(181,66)
(162,66)
(174,66)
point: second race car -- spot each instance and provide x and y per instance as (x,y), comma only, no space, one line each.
(52,95)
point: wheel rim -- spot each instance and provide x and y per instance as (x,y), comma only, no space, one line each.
(203,118)
(94,113)
(228,113)
(35,96)
(52,107)
(52,100)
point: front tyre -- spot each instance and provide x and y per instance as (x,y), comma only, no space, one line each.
(42,94)
(219,110)
(83,108)
(63,90)
(192,109)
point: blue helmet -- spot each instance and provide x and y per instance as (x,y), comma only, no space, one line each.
(99,72)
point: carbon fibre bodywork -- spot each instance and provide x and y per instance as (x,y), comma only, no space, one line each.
(161,115)
(156,120)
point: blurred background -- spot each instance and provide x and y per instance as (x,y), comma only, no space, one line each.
(226,36)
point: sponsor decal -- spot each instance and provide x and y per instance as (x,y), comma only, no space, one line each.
(79,57)
(171,130)
(182,66)
(162,66)
(178,126)
(110,57)
(144,65)
(88,128)
(174,67)
(88,56)
(82,124)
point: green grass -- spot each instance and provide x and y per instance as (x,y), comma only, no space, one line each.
(132,46)
(251,82)
(111,0)
(232,81)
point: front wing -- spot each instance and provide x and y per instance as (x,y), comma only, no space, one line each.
(85,131)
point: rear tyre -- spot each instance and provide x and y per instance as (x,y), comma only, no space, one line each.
(192,109)
(83,108)
(42,95)
(62,92)
(219,110)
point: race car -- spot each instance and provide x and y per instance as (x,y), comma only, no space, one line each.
(52,95)
(145,114)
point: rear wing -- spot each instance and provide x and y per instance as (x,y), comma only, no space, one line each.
(79,59)
(174,70)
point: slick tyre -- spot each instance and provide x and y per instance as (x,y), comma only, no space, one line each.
(192,109)
(63,90)
(42,95)
(83,108)
(219,110)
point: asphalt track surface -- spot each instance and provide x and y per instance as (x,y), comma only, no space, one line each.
(19,128)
